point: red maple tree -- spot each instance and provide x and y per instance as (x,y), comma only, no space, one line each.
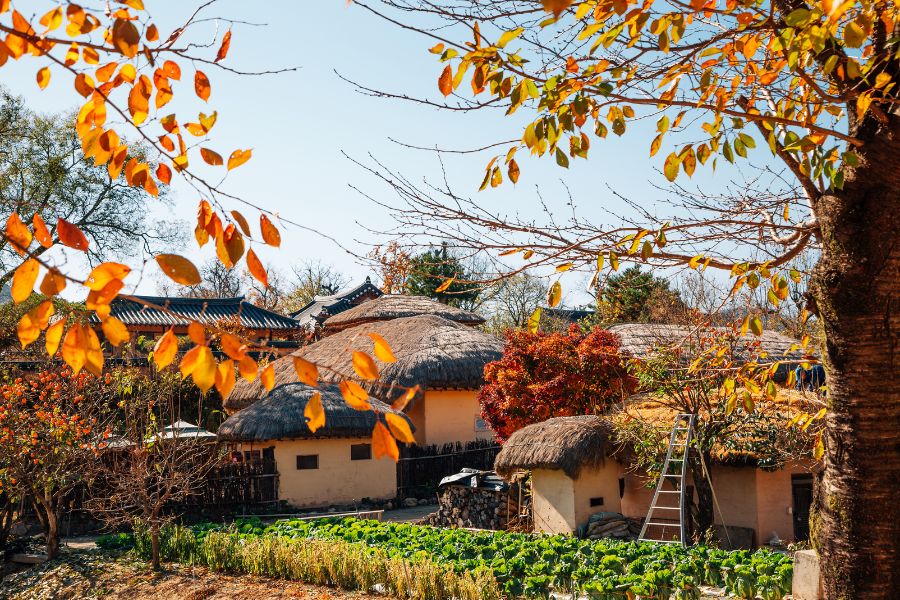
(544,375)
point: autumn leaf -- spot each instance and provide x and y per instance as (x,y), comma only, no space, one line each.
(557,7)
(41,233)
(270,233)
(103,273)
(267,378)
(53,283)
(165,350)
(400,429)
(211,157)
(179,269)
(534,321)
(71,236)
(307,372)
(30,325)
(125,37)
(242,222)
(197,333)
(199,363)
(364,366)
(233,347)
(407,397)
(223,48)
(354,395)
(230,246)
(256,268)
(201,85)
(383,350)
(445,81)
(554,294)
(53,336)
(164,173)
(43,77)
(314,413)
(224,380)
(18,233)
(248,368)
(74,348)
(115,331)
(238,157)
(445,285)
(23,280)
(383,444)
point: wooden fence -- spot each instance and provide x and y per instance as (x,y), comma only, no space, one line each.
(245,484)
(420,469)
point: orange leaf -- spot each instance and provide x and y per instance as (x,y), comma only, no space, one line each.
(383,444)
(314,412)
(71,236)
(152,33)
(172,70)
(53,283)
(269,232)
(256,268)
(233,347)
(225,378)
(307,372)
(104,273)
(407,397)
(23,280)
(211,157)
(197,333)
(164,173)
(43,77)
(354,395)
(364,366)
(41,233)
(179,269)
(84,85)
(445,285)
(165,350)
(27,329)
(125,37)
(399,427)
(53,335)
(267,378)
(93,353)
(382,349)
(75,347)
(445,81)
(115,331)
(18,233)
(242,222)
(223,49)
(238,157)
(201,85)
(198,362)
(556,6)
(230,246)
(248,367)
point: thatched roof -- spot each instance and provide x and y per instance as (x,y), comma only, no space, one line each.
(396,306)
(566,443)
(431,352)
(280,416)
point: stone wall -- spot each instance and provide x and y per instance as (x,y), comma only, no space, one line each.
(476,508)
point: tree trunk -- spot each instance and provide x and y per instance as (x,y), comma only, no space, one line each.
(154,546)
(52,535)
(856,287)
(705,514)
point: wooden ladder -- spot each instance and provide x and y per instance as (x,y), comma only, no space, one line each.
(660,521)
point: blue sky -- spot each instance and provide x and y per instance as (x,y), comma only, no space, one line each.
(299,124)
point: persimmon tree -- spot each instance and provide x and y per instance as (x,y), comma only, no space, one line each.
(814,83)
(543,375)
(125,73)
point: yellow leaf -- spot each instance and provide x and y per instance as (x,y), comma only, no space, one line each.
(563,267)
(819,450)
(179,269)
(43,77)
(509,36)
(314,413)
(165,350)
(270,233)
(248,368)
(354,395)
(103,273)
(399,427)
(554,294)
(267,378)
(198,362)
(364,365)
(74,347)
(233,347)
(115,331)
(534,321)
(445,285)
(238,157)
(197,333)
(53,335)
(307,372)
(383,350)
(24,279)
(27,330)
(225,378)
(756,326)
(383,444)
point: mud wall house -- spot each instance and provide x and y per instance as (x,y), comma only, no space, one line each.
(437,348)
(333,465)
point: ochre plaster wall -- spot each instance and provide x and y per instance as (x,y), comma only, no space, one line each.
(338,480)
(553,501)
(450,417)
(597,482)
(774,502)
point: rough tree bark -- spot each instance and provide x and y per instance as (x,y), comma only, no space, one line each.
(705,513)
(154,546)
(856,287)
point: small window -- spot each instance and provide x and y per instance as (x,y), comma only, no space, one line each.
(597,501)
(307,461)
(360,451)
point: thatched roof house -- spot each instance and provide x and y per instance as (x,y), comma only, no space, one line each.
(561,443)
(398,306)
(431,352)
(280,416)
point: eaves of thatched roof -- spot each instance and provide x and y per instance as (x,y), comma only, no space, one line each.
(565,443)
(280,416)
(431,352)
(397,306)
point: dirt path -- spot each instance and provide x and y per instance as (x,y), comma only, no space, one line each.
(79,575)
